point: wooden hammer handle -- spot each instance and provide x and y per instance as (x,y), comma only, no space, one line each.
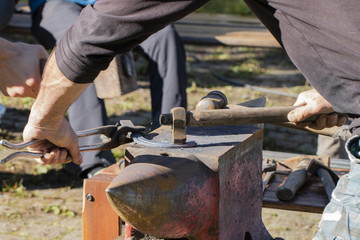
(327,181)
(287,190)
(235,116)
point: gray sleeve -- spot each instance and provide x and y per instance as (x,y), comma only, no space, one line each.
(111,27)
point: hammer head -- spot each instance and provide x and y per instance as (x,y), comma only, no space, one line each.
(314,165)
(269,166)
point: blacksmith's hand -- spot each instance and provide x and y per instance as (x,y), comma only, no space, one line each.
(46,120)
(312,103)
(20,70)
(61,144)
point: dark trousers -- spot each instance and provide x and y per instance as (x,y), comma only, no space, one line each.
(166,56)
(167,71)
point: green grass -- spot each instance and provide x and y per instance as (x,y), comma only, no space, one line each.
(59,210)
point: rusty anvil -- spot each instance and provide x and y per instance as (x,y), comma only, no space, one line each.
(208,192)
(212,191)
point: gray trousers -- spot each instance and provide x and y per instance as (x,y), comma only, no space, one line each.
(164,51)
(334,148)
(6,11)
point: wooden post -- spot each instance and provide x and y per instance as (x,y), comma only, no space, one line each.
(100,221)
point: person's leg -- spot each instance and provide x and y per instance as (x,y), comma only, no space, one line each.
(6,11)
(334,148)
(50,22)
(167,70)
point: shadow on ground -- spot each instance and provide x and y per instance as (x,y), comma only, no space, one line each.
(52,179)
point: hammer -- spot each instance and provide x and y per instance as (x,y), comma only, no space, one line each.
(326,175)
(297,178)
(269,169)
(287,190)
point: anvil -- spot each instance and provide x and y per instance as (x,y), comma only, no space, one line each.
(211,191)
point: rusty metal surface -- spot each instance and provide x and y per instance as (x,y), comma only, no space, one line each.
(240,187)
(167,197)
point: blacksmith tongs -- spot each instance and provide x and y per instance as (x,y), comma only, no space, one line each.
(117,135)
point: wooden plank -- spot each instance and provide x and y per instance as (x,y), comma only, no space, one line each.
(100,221)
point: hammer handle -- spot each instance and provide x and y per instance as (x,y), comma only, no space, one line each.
(221,117)
(287,190)
(327,181)
(268,176)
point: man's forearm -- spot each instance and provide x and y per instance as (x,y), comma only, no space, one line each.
(56,94)
(47,122)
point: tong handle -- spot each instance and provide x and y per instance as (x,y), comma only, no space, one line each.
(105,130)
(21,154)
(10,145)
(116,135)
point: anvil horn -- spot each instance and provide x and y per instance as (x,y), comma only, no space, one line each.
(167,197)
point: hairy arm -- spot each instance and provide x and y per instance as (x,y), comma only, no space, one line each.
(46,120)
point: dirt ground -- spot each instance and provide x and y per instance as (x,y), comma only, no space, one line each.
(45,202)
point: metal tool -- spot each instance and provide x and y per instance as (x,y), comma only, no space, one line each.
(117,135)
(210,192)
(194,193)
(296,179)
(326,175)
(213,100)
(269,169)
